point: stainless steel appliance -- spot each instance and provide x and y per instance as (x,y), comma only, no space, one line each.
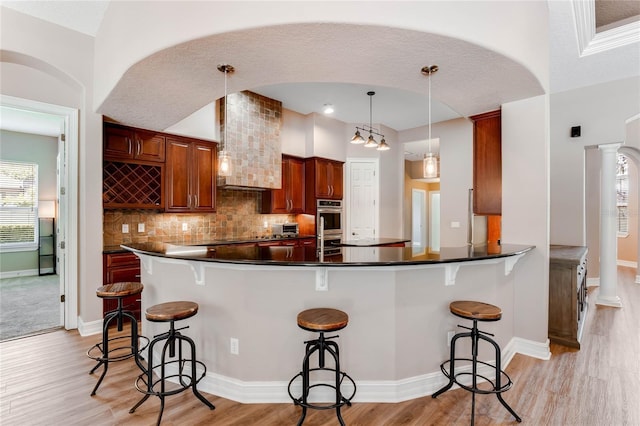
(285,229)
(329,213)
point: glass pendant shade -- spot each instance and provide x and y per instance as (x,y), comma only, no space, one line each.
(357,139)
(224,164)
(383,146)
(430,166)
(371,142)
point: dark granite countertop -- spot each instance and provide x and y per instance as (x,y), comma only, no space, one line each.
(228,241)
(373,242)
(307,256)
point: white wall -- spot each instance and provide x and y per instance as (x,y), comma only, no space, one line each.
(39,47)
(525,209)
(601,111)
(293,133)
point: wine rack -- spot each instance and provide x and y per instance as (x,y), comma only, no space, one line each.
(132,185)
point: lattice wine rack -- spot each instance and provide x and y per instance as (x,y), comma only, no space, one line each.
(130,185)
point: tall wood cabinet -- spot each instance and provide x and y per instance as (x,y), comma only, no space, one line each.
(290,199)
(121,267)
(190,175)
(323,181)
(487,163)
(567,294)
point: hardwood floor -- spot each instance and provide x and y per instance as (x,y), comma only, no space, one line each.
(44,380)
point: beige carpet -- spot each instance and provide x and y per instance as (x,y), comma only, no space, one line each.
(28,305)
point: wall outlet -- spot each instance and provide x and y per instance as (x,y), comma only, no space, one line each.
(234,346)
(455,224)
(141,227)
(125,228)
(450,335)
(185,226)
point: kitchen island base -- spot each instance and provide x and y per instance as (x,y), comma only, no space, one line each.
(256,305)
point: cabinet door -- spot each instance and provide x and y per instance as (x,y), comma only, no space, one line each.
(203,175)
(295,185)
(335,180)
(322,177)
(487,164)
(149,146)
(117,143)
(177,176)
(277,200)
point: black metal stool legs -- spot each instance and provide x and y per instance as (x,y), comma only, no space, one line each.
(321,345)
(146,383)
(497,386)
(104,356)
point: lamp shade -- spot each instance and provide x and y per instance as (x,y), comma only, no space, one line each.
(430,166)
(224,164)
(46,208)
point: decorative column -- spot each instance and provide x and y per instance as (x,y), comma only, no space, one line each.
(608,227)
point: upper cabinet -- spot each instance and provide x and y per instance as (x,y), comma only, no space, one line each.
(191,175)
(290,199)
(323,181)
(487,163)
(125,143)
(133,168)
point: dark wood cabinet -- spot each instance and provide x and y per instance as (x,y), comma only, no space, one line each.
(133,168)
(487,163)
(190,175)
(290,198)
(567,294)
(323,181)
(121,267)
(126,143)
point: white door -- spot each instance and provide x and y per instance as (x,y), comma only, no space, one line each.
(362,199)
(434,221)
(61,212)
(419,218)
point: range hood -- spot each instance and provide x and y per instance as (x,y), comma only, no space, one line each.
(253,141)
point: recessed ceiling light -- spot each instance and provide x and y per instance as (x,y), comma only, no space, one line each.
(328,109)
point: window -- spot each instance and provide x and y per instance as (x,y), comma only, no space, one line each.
(18,205)
(622,195)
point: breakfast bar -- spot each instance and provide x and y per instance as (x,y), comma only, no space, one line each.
(397,300)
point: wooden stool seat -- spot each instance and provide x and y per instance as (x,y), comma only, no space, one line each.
(171,311)
(116,290)
(475,310)
(322,319)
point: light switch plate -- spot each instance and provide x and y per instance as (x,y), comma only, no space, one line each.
(125,228)
(141,227)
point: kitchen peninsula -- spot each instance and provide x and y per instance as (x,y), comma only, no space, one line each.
(396,298)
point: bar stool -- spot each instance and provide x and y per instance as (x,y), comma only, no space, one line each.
(322,320)
(101,352)
(476,311)
(167,369)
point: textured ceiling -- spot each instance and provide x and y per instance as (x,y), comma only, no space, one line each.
(610,11)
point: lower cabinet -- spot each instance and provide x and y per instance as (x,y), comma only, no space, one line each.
(121,267)
(567,294)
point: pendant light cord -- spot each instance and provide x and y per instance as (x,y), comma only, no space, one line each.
(226,116)
(429,79)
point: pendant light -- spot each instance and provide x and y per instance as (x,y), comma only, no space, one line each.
(224,159)
(430,162)
(370,142)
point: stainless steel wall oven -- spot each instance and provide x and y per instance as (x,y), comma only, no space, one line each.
(332,213)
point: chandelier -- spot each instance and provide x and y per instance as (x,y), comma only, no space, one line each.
(371,141)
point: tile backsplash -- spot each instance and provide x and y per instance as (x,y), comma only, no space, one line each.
(237,216)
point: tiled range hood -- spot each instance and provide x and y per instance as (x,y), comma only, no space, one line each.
(253,141)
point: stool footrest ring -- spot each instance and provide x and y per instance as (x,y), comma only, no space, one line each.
(97,353)
(494,389)
(343,399)
(185,381)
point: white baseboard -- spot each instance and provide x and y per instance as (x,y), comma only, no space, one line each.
(627,263)
(23,273)
(593,282)
(89,328)
(384,391)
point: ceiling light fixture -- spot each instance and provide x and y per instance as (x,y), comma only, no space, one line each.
(371,142)
(430,162)
(328,109)
(224,159)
